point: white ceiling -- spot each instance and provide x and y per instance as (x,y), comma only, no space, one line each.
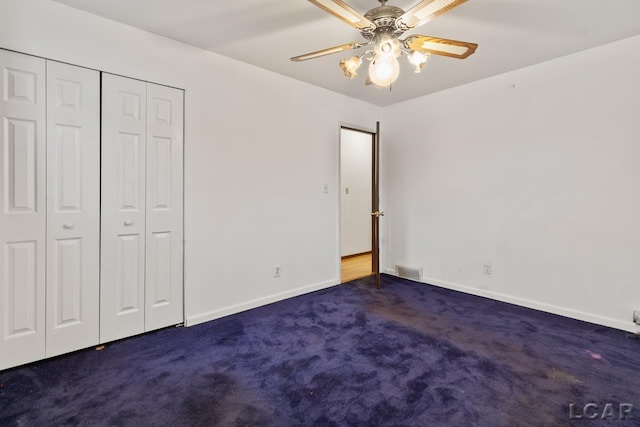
(511,34)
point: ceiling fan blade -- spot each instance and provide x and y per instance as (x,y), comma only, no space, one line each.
(327,51)
(345,13)
(425,11)
(444,47)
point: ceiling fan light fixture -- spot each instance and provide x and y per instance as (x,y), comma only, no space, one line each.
(350,66)
(387,45)
(382,28)
(418,59)
(384,70)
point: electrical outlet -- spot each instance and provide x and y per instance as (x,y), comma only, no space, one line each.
(276,270)
(326,189)
(487,268)
(636,317)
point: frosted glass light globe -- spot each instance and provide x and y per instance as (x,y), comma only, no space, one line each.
(384,70)
(418,59)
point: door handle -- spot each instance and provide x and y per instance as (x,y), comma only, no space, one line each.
(67,225)
(128,223)
(377,214)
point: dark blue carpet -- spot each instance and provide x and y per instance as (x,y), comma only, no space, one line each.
(408,354)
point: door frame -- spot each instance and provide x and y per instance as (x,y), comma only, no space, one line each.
(375,196)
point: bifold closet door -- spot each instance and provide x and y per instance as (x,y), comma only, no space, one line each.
(142,237)
(164,241)
(22,208)
(124,117)
(73,208)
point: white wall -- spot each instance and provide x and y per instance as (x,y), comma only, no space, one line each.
(355,191)
(536,171)
(243,211)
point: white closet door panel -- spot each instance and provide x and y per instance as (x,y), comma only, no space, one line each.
(164,259)
(124,115)
(73,205)
(22,208)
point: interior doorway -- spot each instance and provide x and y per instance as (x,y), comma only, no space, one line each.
(358,246)
(356,266)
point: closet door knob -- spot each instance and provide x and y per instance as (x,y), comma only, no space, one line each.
(67,225)
(128,223)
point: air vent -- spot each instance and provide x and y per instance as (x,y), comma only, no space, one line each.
(409,273)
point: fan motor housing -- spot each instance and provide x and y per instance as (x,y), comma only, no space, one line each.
(384,17)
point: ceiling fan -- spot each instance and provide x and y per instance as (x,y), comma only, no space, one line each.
(382,27)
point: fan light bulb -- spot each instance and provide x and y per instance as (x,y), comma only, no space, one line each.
(384,70)
(350,66)
(418,59)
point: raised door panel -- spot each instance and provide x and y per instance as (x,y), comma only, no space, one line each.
(21,172)
(124,115)
(22,208)
(21,289)
(164,207)
(73,207)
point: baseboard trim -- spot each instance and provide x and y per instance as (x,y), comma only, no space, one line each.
(536,305)
(258,302)
(355,255)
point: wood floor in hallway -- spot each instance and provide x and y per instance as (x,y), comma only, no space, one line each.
(356,266)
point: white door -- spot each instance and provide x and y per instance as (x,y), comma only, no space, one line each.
(356,155)
(164,290)
(22,208)
(73,208)
(124,117)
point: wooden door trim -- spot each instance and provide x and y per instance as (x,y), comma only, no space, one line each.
(375,205)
